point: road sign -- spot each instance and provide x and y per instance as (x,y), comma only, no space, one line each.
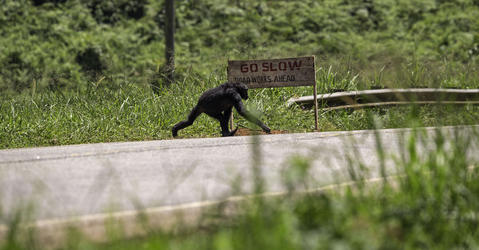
(284,72)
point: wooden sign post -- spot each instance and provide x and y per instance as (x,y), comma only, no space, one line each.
(285,72)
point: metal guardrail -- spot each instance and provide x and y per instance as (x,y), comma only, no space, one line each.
(388,97)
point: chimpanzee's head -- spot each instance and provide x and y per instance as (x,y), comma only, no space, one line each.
(242,90)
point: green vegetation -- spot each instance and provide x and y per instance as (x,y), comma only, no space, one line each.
(82,71)
(64,44)
(79,71)
(130,112)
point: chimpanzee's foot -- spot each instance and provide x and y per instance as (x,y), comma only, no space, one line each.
(232,133)
(229,133)
(267,130)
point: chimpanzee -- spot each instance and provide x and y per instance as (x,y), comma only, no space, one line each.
(218,103)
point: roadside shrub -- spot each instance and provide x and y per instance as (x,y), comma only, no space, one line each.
(90,60)
(40,2)
(367,35)
(110,12)
(16,72)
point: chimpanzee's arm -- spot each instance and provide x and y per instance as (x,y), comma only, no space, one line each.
(238,104)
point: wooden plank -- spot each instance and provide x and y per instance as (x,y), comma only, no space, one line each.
(298,71)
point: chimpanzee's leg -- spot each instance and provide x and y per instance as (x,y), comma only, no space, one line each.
(223,118)
(226,119)
(183,124)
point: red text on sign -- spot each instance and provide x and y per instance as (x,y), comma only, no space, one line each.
(270,66)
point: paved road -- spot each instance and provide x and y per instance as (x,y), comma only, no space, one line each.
(78,180)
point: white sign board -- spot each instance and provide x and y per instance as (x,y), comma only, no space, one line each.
(284,72)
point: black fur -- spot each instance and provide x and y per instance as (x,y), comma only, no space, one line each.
(218,103)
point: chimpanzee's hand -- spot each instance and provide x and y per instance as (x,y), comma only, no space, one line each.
(266,129)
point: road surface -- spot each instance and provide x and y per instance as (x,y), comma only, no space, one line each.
(78,180)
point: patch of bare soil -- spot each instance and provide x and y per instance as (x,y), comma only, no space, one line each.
(247,131)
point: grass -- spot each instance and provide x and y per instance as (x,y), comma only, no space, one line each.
(106,111)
